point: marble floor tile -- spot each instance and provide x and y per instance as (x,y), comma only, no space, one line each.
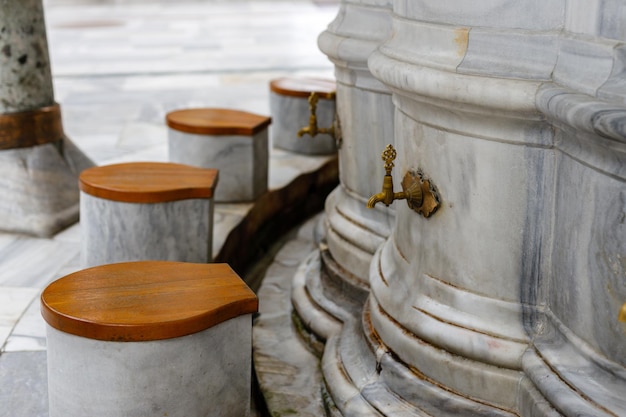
(69,235)
(139,135)
(30,262)
(156,153)
(27,393)
(30,332)
(73,265)
(244,36)
(13,303)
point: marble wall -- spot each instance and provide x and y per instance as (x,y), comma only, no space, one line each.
(505,302)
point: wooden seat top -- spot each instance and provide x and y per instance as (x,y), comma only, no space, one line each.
(146,300)
(303,87)
(148,182)
(209,121)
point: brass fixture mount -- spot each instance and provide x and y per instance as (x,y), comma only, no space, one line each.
(419,193)
(622,314)
(312,129)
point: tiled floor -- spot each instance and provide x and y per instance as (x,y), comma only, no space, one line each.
(118,68)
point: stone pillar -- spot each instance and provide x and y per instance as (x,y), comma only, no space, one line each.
(329,296)
(38,165)
(365,114)
(506,301)
(578,355)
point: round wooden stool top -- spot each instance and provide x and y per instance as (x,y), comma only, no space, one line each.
(147,300)
(217,122)
(303,87)
(148,182)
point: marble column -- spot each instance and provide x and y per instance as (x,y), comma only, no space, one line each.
(329,293)
(335,286)
(38,165)
(365,113)
(578,355)
(506,301)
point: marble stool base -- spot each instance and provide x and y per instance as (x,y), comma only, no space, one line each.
(149,338)
(195,375)
(234,142)
(115,231)
(146,211)
(290,111)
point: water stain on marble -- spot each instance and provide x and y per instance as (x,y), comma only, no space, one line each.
(462,40)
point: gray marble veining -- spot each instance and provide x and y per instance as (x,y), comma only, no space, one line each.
(114,231)
(205,373)
(531,15)
(241,160)
(561,359)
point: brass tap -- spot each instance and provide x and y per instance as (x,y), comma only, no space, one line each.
(420,194)
(312,129)
(622,314)
(387,196)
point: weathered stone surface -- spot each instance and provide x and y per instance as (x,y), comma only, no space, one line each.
(39,191)
(505,301)
(287,370)
(25,81)
(37,184)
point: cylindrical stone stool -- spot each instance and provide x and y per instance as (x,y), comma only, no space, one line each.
(149,338)
(235,142)
(291,113)
(146,211)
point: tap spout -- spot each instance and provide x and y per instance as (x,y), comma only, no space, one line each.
(386,196)
(313,129)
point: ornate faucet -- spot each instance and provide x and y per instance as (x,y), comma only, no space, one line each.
(419,193)
(312,129)
(387,196)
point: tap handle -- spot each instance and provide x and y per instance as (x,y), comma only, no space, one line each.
(313,129)
(389,155)
(313,99)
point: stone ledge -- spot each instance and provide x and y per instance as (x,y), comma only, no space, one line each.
(275,213)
